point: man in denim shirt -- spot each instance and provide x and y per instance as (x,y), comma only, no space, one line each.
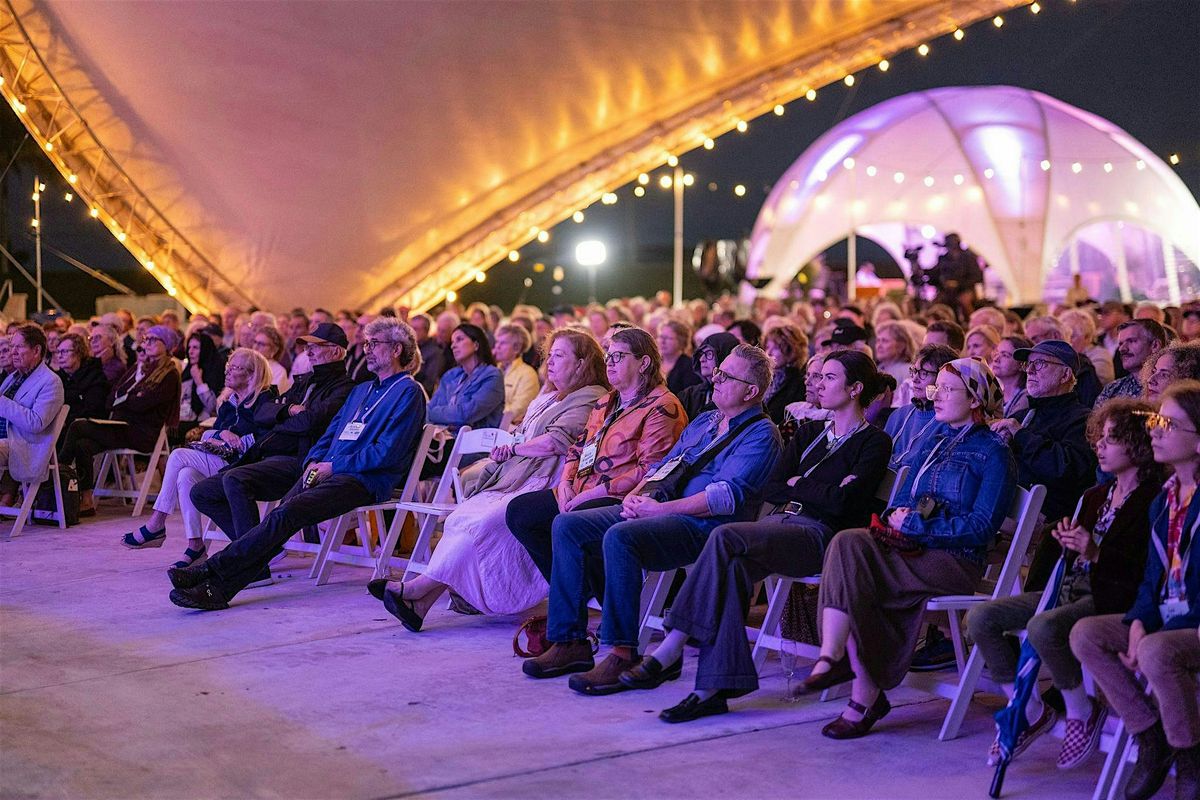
(658,534)
(363,454)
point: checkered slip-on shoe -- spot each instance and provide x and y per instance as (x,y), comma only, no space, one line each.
(1082,737)
(1044,723)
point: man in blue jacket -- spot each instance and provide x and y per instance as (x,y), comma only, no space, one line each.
(363,454)
(714,474)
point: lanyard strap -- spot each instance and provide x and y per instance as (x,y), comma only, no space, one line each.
(929,458)
(612,417)
(838,441)
(362,417)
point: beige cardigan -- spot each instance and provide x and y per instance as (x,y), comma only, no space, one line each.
(564,421)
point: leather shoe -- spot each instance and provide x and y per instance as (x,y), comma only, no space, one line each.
(1153,763)
(204,597)
(402,609)
(839,672)
(189,577)
(842,728)
(650,674)
(376,587)
(604,677)
(692,707)
(561,658)
(1187,773)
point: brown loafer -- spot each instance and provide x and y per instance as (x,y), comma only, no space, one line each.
(842,728)
(839,672)
(605,677)
(561,659)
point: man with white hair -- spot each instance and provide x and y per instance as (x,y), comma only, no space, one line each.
(1080,328)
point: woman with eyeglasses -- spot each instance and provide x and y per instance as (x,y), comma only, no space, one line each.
(1010,373)
(105,344)
(268,343)
(143,401)
(697,399)
(909,424)
(1176,362)
(824,482)
(630,428)
(1105,546)
(875,581)
(203,378)
(247,388)
(1157,637)
(85,389)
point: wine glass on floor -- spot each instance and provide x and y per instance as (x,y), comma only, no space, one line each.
(788,656)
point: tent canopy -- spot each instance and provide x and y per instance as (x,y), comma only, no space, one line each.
(351,154)
(1016,173)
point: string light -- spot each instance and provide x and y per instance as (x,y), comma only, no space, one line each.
(41,187)
(778,110)
(871,171)
(1077,168)
(928,181)
(480,276)
(672,161)
(689,179)
(514,256)
(959,33)
(643,179)
(665,181)
(709,144)
(739,190)
(1174,159)
(49,147)
(998,21)
(95,212)
(923,50)
(121,237)
(1141,165)
(36,196)
(72,178)
(884,65)
(535,230)
(742,126)
(848,80)
(1036,8)
(68,197)
(543,236)
(150,266)
(848,163)
(1045,165)
(33,222)
(958,180)
(18,106)
(989,173)
(810,95)
(1108,166)
(898,177)
(608,198)
(451,296)
(639,191)
(577,217)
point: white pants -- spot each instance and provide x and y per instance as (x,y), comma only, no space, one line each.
(185,468)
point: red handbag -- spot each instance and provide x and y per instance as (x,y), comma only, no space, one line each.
(892,539)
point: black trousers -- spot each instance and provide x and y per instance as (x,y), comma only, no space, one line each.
(712,606)
(530,516)
(86,439)
(230,498)
(244,560)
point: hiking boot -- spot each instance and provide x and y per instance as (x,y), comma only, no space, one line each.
(562,658)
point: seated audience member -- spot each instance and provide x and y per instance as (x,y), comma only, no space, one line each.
(361,457)
(85,389)
(105,344)
(946,333)
(675,345)
(699,398)
(1189,326)
(809,408)
(478,558)
(1013,324)
(248,387)
(981,343)
(1049,439)
(1148,310)
(875,581)
(203,378)
(472,393)
(1176,362)
(909,424)
(787,346)
(713,475)
(31,395)
(1105,548)
(1157,636)
(987,315)
(140,404)
(746,331)
(824,482)
(895,349)
(1011,373)
(627,431)
(268,343)
(1080,329)
(433,354)
(274,462)
(520,380)
(6,366)
(1137,340)
(847,335)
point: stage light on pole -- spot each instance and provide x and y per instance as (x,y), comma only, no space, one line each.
(591,253)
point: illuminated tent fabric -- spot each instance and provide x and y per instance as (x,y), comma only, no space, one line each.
(1017,173)
(355,154)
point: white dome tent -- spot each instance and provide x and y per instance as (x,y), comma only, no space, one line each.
(1027,181)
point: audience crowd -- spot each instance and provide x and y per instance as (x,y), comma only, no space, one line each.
(739,442)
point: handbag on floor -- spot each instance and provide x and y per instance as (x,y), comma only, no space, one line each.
(44,500)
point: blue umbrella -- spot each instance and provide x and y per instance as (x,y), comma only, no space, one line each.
(1011,720)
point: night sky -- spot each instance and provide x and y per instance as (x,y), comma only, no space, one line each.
(1134,62)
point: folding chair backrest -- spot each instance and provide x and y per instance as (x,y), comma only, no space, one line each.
(60,422)
(411,481)
(1022,518)
(891,483)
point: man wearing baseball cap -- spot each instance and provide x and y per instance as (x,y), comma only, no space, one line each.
(1049,438)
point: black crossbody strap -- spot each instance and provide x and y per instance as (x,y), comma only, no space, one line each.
(694,468)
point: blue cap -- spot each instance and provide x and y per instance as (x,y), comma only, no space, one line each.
(1054,348)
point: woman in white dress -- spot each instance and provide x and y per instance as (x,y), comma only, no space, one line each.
(478,557)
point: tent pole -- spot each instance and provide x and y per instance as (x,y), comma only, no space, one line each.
(1122,267)
(1172,271)
(677,185)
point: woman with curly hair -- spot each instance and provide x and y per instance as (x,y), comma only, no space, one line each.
(1178,361)
(1105,546)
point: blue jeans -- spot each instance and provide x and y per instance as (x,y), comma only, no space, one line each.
(628,547)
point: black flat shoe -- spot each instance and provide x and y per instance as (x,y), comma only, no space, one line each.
(842,728)
(204,597)
(693,707)
(650,674)
(401,609)
(189,577)
(377,588)
(839,672)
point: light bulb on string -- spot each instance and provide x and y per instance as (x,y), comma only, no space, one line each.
(923,50)
(639,191)
(779,109)
(928,181)
(1045,165)
(689,179)
(72,178)
(998,21)
(543,236)
(49,147)
(95,212)
(672,161)
(898,177)
(848,80)
(739,190)
(989,173)
(958,180)
(1077,168)
(1174,159)
(810,95)
(884,65)
(1108,167)
(480,276)
(709,144)
(959,34)
(514,256)
(643,179)
(741,125)
(1035,8)
(665,181)
(577,217)
(68,197)
(871,171)
(451,295)
(848,162)
(1141,165)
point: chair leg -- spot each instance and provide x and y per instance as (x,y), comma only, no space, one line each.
(967,680)
(58,498)
(654,609)
(332,543)
(144,490)
(777,592)
(30,492)
(422,549)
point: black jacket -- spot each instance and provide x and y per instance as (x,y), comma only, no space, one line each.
(864,455)
(790,391)
(682,375)
(86,392)
(293,436)
(1122,561)
(1052,449)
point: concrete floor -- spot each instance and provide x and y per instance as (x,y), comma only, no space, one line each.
(298,691)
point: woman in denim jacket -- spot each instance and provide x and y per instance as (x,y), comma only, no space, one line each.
(876,581)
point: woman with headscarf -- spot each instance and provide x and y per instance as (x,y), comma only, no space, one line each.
(697,399)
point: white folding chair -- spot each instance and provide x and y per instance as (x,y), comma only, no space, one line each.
(211,533)
(1022,517)
(779,587)
(330,551)
(447,495)
(120,463)
(29,490)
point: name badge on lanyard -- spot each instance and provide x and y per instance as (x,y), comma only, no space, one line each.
(588,457)
(352,431)
(1172,607)
(665,469)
